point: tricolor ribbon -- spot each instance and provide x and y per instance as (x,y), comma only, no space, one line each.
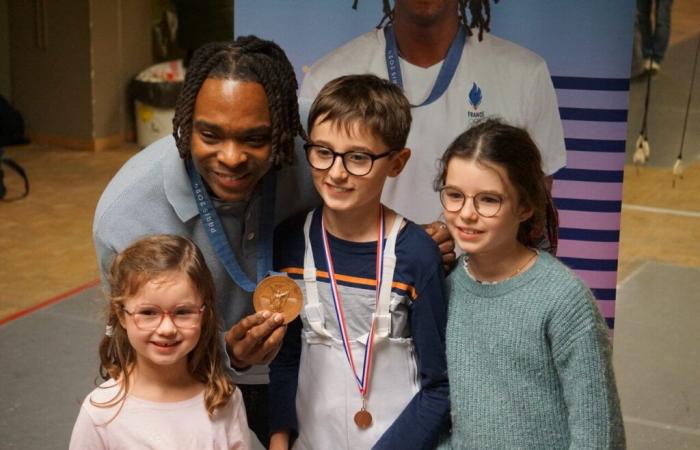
(363,380)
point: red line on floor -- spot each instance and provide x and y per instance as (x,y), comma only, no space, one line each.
(49,302)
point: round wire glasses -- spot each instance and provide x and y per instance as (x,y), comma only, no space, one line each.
(486,204)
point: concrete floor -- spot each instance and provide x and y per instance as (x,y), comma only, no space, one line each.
(49,362)
(657,357)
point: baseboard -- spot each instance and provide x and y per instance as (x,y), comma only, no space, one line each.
(104,143)
(93,145)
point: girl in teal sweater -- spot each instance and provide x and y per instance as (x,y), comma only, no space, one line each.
(528,355)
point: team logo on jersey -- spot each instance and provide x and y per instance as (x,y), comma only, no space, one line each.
(475,98)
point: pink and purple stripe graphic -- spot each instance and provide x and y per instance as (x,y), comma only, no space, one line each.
(588,191)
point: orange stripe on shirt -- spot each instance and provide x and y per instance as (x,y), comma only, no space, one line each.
(410,290)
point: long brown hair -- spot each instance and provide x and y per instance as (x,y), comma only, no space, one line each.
(148,259)
(493,141)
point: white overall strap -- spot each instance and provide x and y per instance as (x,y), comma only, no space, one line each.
(382,316)
(313,307)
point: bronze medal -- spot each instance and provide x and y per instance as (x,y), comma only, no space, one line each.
(363,419)
(278,294)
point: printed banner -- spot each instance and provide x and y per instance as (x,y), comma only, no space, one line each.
(588,49)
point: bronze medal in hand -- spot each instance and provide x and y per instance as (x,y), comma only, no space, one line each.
(278,294)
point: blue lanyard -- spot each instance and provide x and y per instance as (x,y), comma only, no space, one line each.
(217,234)
(447,71)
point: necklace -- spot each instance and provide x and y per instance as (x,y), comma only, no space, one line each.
(512,275)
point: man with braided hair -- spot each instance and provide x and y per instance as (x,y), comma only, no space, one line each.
(227,175)
(453,77)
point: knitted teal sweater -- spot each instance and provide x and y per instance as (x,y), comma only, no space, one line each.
(529,363)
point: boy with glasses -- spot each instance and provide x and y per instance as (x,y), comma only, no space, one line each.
(364,366)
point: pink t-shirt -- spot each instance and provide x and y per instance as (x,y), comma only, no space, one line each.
(145,424)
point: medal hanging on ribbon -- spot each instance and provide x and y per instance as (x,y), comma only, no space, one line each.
(447,71)
(363,418)
(217,236)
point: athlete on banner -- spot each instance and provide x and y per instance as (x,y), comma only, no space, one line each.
(452,78)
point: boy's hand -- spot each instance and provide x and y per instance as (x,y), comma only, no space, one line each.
(256,339)
(279,440)
(438,231)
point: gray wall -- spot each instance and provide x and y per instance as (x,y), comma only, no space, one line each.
(70,65)
(121,47)
(5,89)
(51,85)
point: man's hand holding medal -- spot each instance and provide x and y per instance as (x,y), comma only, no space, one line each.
(257,338)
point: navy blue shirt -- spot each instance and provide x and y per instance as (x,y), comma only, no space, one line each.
(418,277)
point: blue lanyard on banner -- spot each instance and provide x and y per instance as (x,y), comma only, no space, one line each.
(217,235)
(447,71)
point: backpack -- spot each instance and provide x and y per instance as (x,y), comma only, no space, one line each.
(11,133)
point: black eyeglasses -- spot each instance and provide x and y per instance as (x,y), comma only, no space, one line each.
(355,163)
(486,204)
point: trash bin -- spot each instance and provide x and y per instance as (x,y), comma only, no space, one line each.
(155,92)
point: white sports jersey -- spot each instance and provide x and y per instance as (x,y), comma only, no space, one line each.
(494,78)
